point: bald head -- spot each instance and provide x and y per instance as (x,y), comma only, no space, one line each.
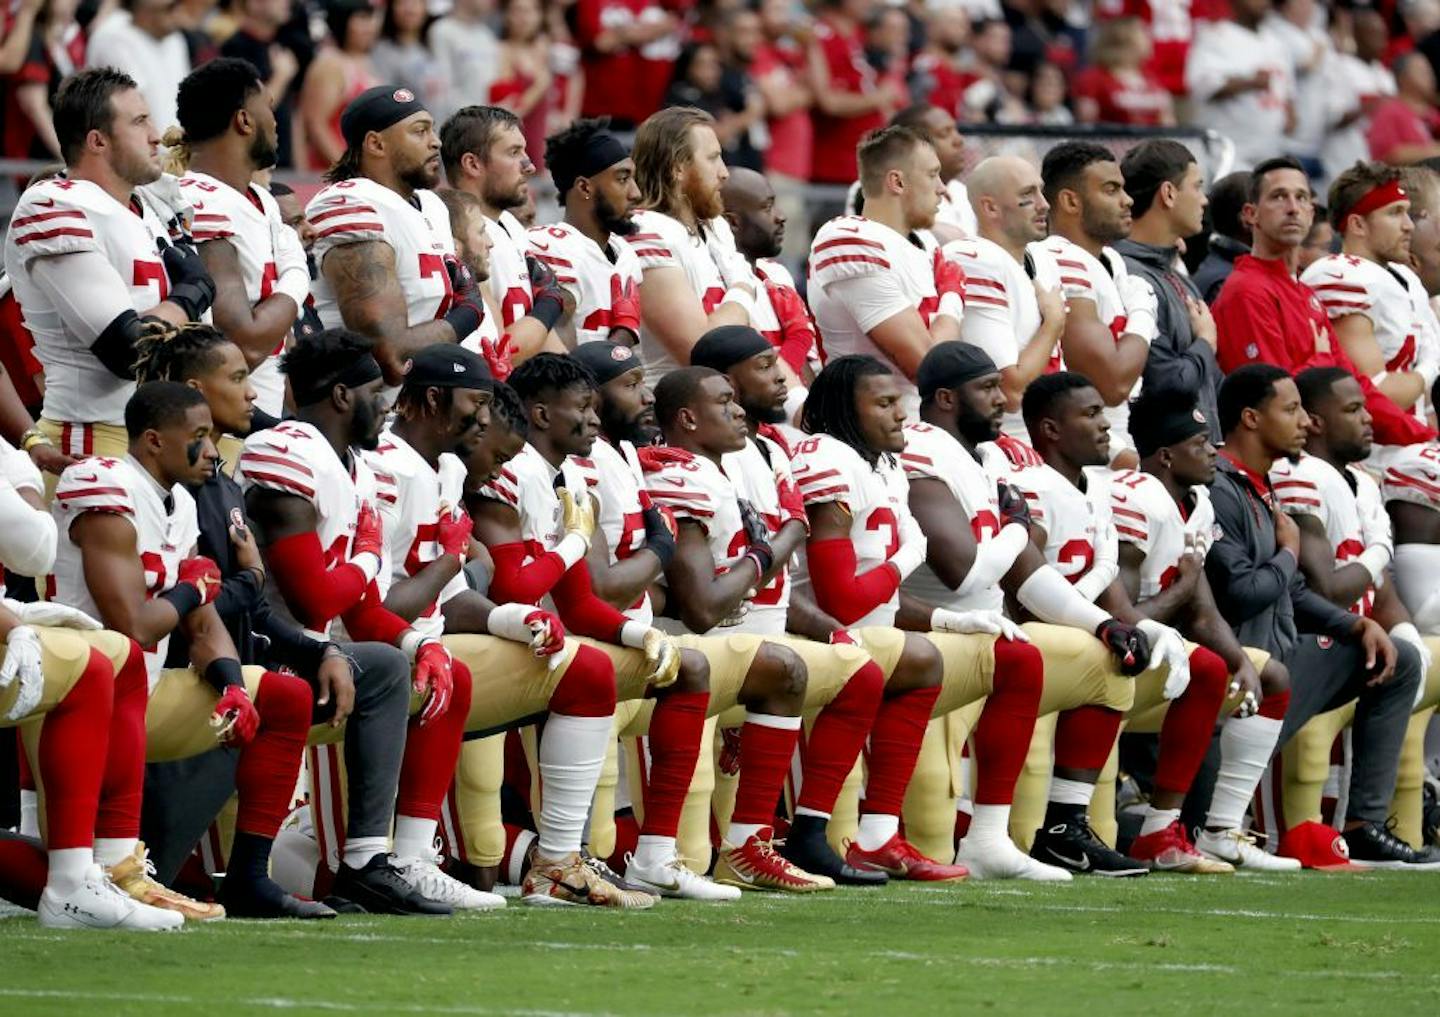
(750,209)
(1007,195)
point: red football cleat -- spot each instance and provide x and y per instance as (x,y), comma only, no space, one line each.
(899,859)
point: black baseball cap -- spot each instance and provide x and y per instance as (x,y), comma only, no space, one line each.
(448,365)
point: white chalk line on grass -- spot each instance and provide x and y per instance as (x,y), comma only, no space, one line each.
(1143,967)
(289,1003)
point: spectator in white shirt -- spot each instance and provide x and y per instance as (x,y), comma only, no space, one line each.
(1356,79)
(1241,79)
(466,52)
(143,41)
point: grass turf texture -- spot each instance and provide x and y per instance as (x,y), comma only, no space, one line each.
(1172,944)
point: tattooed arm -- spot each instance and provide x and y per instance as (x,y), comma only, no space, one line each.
(372,303)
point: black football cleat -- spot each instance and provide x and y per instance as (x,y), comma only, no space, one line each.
(378,888)
(1373,844)
(265,899)
(806,846)
(1071,845)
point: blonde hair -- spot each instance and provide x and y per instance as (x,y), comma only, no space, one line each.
(177,151)
(662,147)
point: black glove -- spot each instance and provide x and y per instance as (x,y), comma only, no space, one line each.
(547,302)
(191,288)
(1013,506)
(658,537)
(1127,643)
(758,536)
(467,308)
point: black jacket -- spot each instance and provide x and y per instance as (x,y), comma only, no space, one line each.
(1260,589)
(1211,273)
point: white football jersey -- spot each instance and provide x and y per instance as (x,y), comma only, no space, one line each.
(1082,276)
(664,242)
(755,472)
(1078,526)
(617,487)
(163,538)
(1312,487)
(509,280)
(877,499)
(1412,473)
(1145,515)
(295,458)
(955,209)
(600,279)
(250,223)
(407,495)
(1348,285)
(862,273)
(933,454)
(357,210)
(57,218)
(527,484)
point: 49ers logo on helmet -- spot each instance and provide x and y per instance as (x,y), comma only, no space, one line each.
(403,95)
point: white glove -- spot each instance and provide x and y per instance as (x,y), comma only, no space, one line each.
(52,615)
(452,481)
(1408,633)
(292,268)
(1379,540)
(990,622)
(1166,647)
(1141,308)
(22,661)
(168,202)
(720,244)
(19,469)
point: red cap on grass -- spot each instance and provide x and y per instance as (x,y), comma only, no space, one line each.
(1319,847)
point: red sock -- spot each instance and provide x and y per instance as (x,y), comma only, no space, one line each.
(894,746)
(24,777)
(1275,705)
(1190,722)
(124,785)
(676,728)
(838,737)
(1084,737)
(265,776)
(627,836)
(1002,735)
(431,753)
(588,688)
(23,870)
(71,756)
(765,751)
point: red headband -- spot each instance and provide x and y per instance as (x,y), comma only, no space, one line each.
(1378,197)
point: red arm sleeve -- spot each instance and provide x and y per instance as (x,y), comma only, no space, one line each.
(583,613)
(840,592)
(516,582)
(1393,426)
(797,334)
(314,593)
(371,621)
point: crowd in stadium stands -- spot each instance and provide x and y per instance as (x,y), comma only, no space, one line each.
(394,547)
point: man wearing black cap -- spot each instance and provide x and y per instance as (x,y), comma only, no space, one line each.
(524,666)
(595,179)
(382,237)
(1166,525)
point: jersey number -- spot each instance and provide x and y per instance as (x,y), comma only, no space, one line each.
(434,264)
(147,272)
(1077,556)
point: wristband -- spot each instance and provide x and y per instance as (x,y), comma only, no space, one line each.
(741,297)
(547,310)
(632,634)
(1375,558)
(368,562)
(183,597)
(295,284)
(951,306)
(572,548)
(224,672)
(34,436)
(1376,379)
(464,319)
(191,298)
(411,641)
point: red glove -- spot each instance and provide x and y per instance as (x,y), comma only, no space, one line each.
(499,356)
(949,276)
(203,574)
(792,506)
(452,533)
(625,309)
(235,718)
(549,629)
(432,675)
(1018,452)
(729,761)
(369,533)
(654,458)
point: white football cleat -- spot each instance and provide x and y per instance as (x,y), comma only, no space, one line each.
(1001,859)
(1241,851)
(427,879)
(100,904)
(673,879)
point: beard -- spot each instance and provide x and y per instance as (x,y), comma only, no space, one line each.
(364,426)
(706,204)
(136,170)
(766,414)
(263,152)
(618,428)
(503,200)
(421,177)
(611,220)
(976,428)
(1106,231)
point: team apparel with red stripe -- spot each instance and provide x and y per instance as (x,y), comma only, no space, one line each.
(1146,516)
(1412,473)
(509,275)
(163,539)
(603,281)
(1079,532)
(1313,487)
(783,319)
(252,224)
(755,473)
(526,484)
(662,241)
(358,210)
(77,259)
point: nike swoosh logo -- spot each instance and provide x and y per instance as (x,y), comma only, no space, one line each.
(848,229)
(197,206)
(45,203)
(536,243)
(578,891)
(88,480)
(282,449)
(1082,863)
(1119,497)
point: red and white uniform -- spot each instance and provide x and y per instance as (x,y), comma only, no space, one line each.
(509,280)
(163,539)
(1082,276)
(1348,285)
(526,484)
(1412,473)
(664,242)
(617,488)
(251,222)
(933,454)
(408,497)
(955,209)
(782,317)
(1079,530)
(1145,515)
(295,458)
(604,281)
(756,472)
(78,259)
(357,210)
(1312,487)
(862,273)
(877,499)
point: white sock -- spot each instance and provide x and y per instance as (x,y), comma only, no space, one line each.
(876,829)
(652,851)
(739,833)
(1157,819)
(572,753)
(359,850)
(803,811)
(414,838)
(989,823)
(114,850)
(30,814)
(1246,746)
(1070,792)
(67,869)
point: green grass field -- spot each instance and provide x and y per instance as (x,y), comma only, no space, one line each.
(1309,944)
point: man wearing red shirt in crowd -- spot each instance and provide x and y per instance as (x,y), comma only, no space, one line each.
(1265,314)
(1403,128)
(849,101)
(613,36)
(779,73)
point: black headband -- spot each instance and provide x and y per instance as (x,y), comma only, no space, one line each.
(722,348)
(950,365)
(1171,428)
(602,150)
(376,109)
(360,371)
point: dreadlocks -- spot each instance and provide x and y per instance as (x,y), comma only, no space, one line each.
(506,406)
(830,406)
(549,372)
(167,353)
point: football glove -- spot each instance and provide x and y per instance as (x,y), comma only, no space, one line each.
(757,535)
(1127,643)
(1013,506)
(976,622)
(467,306)
(452,533)
(1166,647)
(203,574)
(663,657)
(654,458)
(1019,453)
(369,534)
(577,514)
(52,615)
(433,679)
(22,664)
(235,718)
(524,623)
